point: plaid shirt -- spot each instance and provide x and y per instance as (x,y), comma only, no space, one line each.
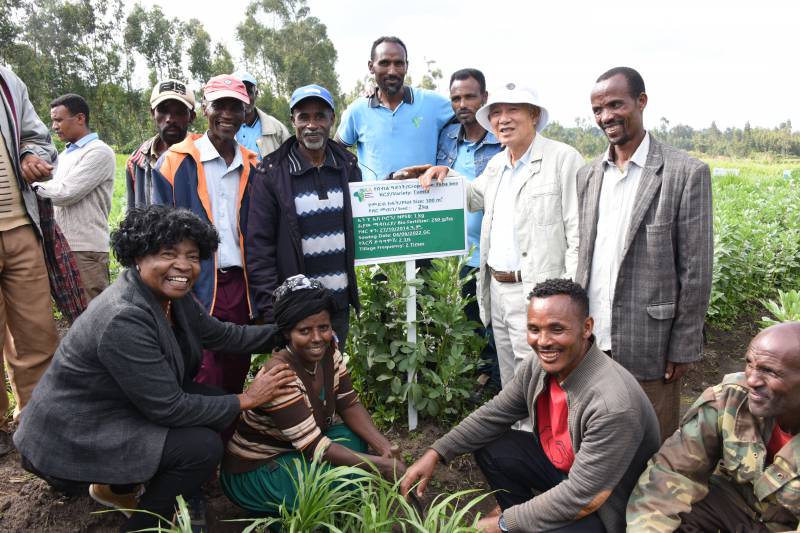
(65,280)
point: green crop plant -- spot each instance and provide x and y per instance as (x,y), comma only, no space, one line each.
(756,244)
(343,499)
(785,309)
(444,356)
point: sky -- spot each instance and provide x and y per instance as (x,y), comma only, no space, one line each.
(701,60)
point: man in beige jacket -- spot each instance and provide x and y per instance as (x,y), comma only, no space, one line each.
(530,223)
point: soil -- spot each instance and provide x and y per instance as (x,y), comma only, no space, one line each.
(27,504)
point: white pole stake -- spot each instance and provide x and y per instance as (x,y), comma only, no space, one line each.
(411,322)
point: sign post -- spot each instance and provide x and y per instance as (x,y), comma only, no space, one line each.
(399,221)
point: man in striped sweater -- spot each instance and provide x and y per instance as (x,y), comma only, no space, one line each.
(300,220)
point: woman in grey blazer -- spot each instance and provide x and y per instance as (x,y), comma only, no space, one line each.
(117,408)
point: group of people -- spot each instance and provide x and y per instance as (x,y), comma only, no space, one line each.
(593,281)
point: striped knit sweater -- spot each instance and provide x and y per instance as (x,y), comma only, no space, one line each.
(292,422)
(319,204)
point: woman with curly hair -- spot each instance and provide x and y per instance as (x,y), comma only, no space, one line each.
(319,417)
(117,408)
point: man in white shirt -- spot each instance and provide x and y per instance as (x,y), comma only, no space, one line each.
(81,190)
(209,175)
(646,246)
(529,231)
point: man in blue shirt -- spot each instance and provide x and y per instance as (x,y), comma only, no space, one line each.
(396,126)
(260,132)
(466,147)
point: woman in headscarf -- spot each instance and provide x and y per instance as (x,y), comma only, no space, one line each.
(321,416)
(117,408)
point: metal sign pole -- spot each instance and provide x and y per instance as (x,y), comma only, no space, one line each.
(411,322)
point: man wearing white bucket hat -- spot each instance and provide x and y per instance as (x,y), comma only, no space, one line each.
(535,240)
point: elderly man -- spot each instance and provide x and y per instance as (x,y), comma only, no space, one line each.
(466,147)
(529,231)
(396,126)
(646,245)
(300,220)
(26,155)
(594,429)
(260,133)
(734,464)
(209,176)
(172,109)
(81,190)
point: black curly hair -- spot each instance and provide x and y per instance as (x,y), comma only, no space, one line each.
(146,230)
(554,287)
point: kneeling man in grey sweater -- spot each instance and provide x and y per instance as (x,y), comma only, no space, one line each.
(593,428)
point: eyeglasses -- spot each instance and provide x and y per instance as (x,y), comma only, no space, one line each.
(172,86)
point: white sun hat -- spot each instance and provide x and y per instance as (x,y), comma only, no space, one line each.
(512,93)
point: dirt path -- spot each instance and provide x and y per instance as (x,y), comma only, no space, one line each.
(28,505)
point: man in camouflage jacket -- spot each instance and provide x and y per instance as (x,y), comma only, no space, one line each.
(734,464)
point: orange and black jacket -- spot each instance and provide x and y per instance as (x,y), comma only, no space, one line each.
(179,181)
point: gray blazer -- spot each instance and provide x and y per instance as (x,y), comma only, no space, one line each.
(664,281)
(102,410)
(23,133)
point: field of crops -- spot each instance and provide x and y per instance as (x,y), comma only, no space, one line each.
(756,237)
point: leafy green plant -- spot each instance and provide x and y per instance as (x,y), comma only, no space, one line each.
(325,496)
(344,499)
(756,243)
(785,309)
(443,358)
(181,524)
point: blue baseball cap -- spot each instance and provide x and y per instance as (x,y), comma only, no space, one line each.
(311,91)
(245,76)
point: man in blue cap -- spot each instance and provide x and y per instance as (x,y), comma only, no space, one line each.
(300,221)
(260,132)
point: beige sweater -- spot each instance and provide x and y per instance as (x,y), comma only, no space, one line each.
(81,190)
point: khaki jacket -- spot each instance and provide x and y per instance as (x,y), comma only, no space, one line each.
(721,443)
(273,134)
(546,215)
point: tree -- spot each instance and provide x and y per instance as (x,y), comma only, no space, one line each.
(203,64)
(286,48)
(432,74)
(157,39)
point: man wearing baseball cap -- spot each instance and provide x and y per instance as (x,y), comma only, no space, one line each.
(260,132)
(300,220)
(209,176)
(172,109)
(537,239)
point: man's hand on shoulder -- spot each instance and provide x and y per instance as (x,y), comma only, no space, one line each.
(34,168)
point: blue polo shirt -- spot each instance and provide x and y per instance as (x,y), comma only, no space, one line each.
(248,135)
(389,140)
(465,165)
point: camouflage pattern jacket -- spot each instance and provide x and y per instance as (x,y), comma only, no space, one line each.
(722,443)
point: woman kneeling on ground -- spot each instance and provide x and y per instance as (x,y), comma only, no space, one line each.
(117,407)
(320,416)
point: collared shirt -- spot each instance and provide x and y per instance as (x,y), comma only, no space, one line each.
(617,195)
(464,164)
(249,134)
(80,143)
(503,251)
(389,140)
(222,182)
